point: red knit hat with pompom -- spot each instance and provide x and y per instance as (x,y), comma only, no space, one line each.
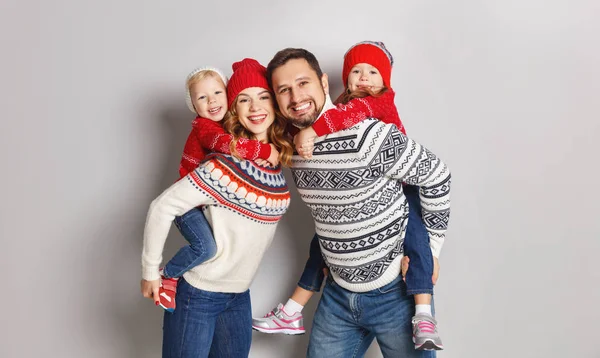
(373,53)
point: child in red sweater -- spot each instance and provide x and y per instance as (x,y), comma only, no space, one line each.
(206,96)
(366,75)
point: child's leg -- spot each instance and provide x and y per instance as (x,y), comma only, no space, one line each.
(312,276)
(418,276)
(310,281)
(288,319)
(416,247)
(196,230)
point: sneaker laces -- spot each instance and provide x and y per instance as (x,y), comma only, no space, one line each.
(425,324)
(274,312)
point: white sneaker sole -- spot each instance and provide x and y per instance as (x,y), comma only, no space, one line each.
(291,332)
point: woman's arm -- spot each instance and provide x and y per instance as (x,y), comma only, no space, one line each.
(178,199)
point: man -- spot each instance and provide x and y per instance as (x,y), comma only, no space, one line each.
(353,186)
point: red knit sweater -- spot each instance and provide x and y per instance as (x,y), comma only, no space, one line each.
(346,115)
(209,136)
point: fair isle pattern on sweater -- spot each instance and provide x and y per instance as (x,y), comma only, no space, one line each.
(353,187)
(260,194)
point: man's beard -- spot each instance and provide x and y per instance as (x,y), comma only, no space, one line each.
(308,119)
(305,121)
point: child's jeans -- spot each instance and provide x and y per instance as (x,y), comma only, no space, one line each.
(196,230)
(416,247)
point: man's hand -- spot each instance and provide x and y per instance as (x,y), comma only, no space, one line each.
(150,290)
(436,268)
(305,142)
(404,266)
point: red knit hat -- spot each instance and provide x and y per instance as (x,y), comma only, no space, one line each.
(373,53)
(246,73)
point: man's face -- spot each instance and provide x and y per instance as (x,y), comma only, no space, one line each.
(299,92)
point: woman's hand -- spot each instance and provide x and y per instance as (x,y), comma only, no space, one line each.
(305,142)
(150,290)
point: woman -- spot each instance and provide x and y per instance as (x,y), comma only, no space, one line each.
(243,204)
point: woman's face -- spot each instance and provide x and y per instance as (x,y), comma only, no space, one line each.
(254,107)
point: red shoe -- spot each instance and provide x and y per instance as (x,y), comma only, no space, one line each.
(166,293)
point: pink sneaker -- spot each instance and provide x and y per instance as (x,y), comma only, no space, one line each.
(278,321)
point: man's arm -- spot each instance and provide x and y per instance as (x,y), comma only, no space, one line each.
(416,165)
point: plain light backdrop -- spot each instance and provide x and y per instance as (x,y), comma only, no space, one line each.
(94,122)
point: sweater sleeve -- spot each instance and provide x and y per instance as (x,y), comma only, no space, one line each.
(214,138)
(192,154)
(175,201)
(416,165)
(359,109)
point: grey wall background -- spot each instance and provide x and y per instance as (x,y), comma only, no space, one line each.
(94,121)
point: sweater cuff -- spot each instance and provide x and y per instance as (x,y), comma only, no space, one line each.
(320,127)
(150,273)
(436,247)
(265,151)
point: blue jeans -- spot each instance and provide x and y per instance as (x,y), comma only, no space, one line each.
(346,323)
(207,324)
(196,230)
(312,276)
(416,247)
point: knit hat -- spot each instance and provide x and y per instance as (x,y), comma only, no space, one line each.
(188,97)
(246,73)
(371,52)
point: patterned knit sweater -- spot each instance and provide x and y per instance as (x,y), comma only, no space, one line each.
(243,204)
(353,187)
(209,136)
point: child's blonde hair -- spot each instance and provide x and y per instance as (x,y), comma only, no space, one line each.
(198,75)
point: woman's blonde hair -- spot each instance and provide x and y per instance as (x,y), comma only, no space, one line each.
(348,95)
(276,134)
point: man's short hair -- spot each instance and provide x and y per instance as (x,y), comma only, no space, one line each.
(283,56)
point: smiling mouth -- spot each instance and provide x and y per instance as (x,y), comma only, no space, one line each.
(302,107)
(257,118)
(214,110)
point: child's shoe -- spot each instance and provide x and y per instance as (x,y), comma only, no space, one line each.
(277,321)
(166,292)
(425,334)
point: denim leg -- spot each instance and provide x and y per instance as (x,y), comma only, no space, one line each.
(387,313)
(196,230)
(188,331)
(416,246)
(335,331)
(233,330)
(312,276)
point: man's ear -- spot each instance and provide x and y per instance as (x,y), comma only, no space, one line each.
(325,83)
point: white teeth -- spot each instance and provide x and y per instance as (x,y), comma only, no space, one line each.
(257,118)
(302,107)
(214,110)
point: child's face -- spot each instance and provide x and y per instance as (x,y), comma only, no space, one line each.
(363,75)
(209,98)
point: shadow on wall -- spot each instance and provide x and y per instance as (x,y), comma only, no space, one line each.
(133,324)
